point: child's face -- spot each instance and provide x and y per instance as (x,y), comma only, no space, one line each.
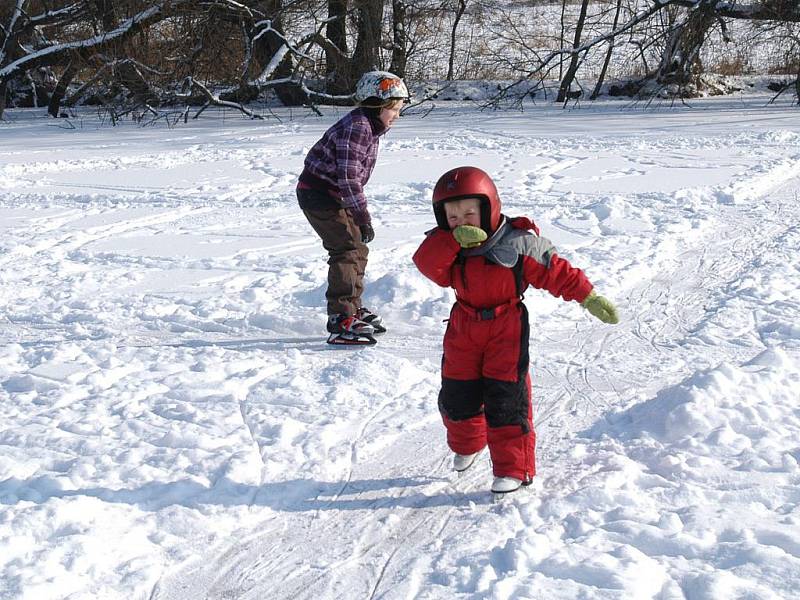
(463,212)
(389,114)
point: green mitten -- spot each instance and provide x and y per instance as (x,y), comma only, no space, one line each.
(469,236)
(601,308)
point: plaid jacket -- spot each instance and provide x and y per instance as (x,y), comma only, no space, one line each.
(341,162)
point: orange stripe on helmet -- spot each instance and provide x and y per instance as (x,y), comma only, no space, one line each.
(387,84)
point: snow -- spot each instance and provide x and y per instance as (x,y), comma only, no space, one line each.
(173,425)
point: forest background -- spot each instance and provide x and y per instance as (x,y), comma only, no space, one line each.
(156,58)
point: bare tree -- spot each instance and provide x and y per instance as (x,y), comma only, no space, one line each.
(153,54)
(459,12)
(269,44)
(569,76)
(680,62)
(681,41)
(369,16)
(604,69)
(338,70)
(562,38)
(399,38)
(10,32)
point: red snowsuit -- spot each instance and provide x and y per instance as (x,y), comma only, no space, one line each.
(486,391)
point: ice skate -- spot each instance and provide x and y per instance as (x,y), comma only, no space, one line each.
(348,330)
(502,486)
(462,462)
(366,315)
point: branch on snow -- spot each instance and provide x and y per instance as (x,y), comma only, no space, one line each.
(230,4)
(52,17)
(214,100)
(264,27)
(299,49)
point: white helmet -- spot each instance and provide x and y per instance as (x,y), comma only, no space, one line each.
(383,85)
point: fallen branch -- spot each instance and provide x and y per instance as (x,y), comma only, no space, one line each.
(214,100)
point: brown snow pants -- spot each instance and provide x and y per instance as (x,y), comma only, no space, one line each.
(347,254)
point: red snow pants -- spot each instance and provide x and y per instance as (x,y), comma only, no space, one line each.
(485,397)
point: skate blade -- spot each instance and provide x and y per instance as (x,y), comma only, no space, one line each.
(500,496)
(344,339)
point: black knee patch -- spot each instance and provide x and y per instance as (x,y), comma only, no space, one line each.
(506,403)
(460,400)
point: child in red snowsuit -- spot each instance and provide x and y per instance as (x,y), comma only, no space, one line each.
(490,259)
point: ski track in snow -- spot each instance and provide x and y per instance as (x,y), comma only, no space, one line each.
(173,401)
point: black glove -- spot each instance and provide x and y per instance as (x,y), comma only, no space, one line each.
(367,233)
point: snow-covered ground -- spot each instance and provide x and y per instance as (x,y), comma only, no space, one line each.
(173,426)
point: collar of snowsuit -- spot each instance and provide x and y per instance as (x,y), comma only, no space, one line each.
(497,248)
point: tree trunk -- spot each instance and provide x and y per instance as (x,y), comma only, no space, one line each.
(796,88)
(266,46)
(107,13)
(366,56)
(680,62)
(132,79)
(8,38)
(399,38)
(462,6)
(569,76)
(607,60)
(3,88)
(337,71)
(54,106)
(562,39)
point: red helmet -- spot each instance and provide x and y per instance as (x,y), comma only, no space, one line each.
(467,182)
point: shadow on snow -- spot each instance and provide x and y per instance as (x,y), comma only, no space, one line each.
(288,496)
